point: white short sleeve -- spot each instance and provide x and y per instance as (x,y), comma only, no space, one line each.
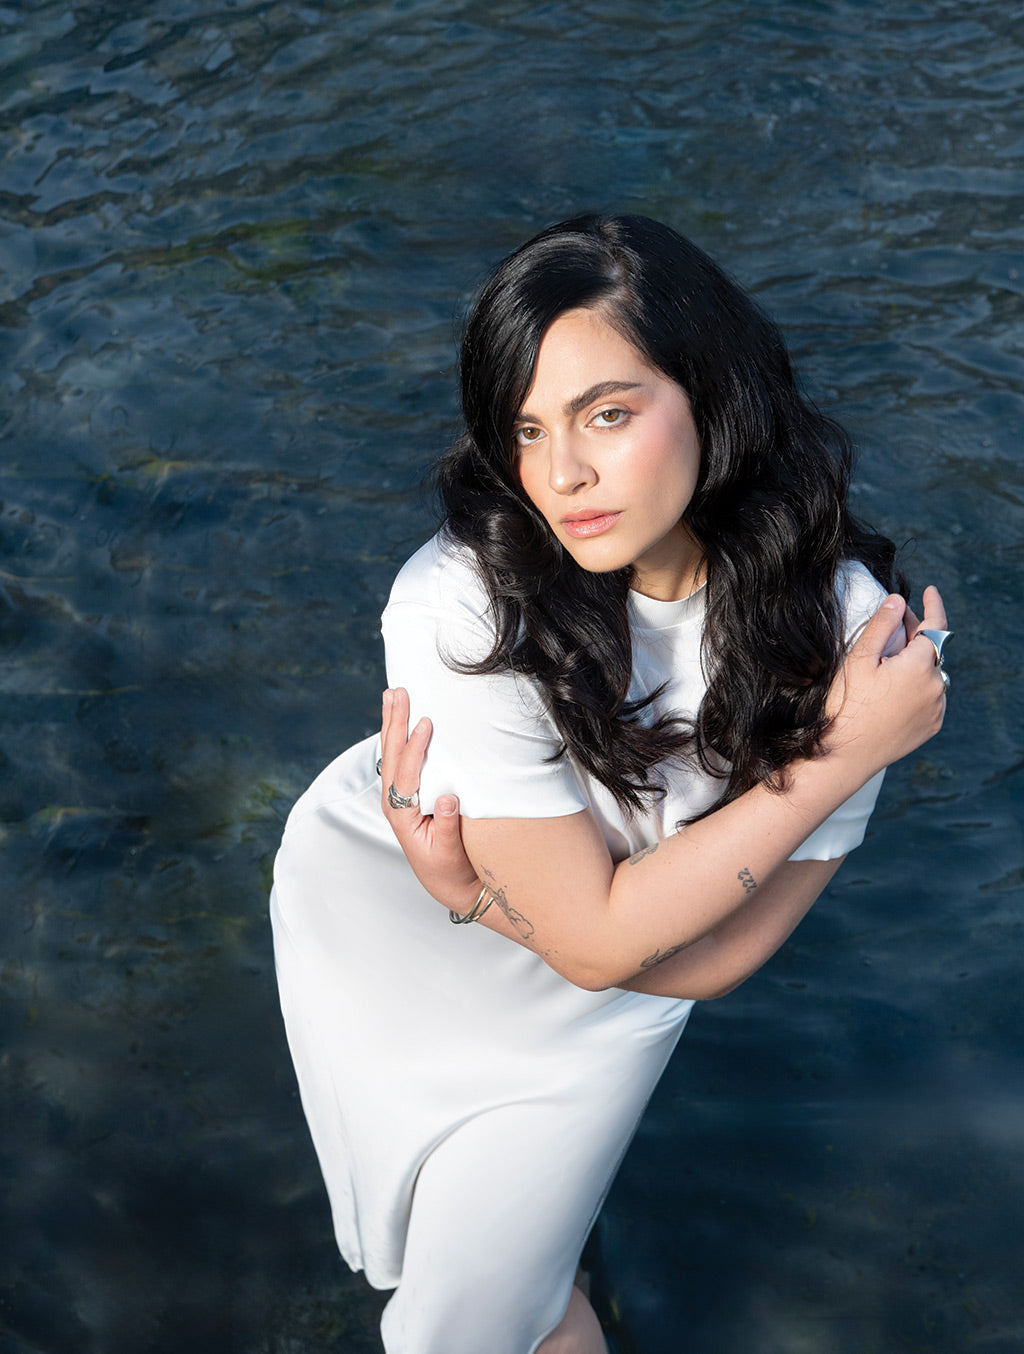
(493,740)
(861,595)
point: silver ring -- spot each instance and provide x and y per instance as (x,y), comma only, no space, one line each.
(398,801)
(945,679)
(936,638)
(379,760)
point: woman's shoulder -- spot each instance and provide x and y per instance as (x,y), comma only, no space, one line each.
(441,576)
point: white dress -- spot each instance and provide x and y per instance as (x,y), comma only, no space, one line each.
(470,1107)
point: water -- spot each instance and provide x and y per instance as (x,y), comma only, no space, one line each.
(236,239)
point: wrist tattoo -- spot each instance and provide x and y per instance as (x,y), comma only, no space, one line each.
(647,851)
(747,880)
(659,956)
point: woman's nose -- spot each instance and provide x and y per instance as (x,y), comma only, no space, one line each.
(569,470)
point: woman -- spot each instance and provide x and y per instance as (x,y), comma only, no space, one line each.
(635,620)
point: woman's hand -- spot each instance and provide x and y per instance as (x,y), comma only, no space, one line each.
(883,708)
(432,844)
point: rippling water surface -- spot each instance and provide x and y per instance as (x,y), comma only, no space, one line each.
(236,238)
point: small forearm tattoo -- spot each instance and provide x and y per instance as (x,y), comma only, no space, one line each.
(521,924)
(659,956)
(647,851)
(747,880)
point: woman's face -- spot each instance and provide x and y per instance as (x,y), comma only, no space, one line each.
(609,455)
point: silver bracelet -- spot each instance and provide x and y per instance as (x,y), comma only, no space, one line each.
(475,913)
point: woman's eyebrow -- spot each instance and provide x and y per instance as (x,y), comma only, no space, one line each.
(578,402)
(597,392)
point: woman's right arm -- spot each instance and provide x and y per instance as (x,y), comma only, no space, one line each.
(600,925)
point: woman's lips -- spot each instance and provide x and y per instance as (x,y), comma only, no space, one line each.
(592,524)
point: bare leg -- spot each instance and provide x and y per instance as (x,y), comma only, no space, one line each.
(578,1333)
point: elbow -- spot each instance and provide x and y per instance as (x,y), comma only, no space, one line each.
(713,985)
(590,975)
(589,979)
(700,982)
(591,984)
(591,966)
(714,991)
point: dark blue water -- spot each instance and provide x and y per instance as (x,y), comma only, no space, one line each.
(236,238)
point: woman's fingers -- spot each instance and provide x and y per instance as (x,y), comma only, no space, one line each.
(933,631)
(879,630)
(934,619)
(393,731)
(432,843)
(934,614)
(883,706)
(448,832)
(934,610)
(409,765)
(402,752)
(449,853)
(397,767)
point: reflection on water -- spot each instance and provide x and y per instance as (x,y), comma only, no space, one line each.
(234,238)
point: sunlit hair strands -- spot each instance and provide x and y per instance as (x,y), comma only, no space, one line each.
(769,511)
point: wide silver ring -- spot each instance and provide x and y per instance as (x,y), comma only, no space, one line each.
(398,801)
(937,639)
(379,760)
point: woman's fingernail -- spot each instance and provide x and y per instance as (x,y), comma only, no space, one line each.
(892,604)
(387,698)
(446,806)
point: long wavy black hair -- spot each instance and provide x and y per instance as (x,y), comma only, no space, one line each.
(769,512)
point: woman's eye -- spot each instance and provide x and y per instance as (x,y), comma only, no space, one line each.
(609,418)
(525,437)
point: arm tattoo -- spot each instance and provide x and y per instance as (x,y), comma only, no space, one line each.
(659,956)
(516,919)
(647,851)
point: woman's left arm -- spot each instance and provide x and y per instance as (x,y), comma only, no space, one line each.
(737,948)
